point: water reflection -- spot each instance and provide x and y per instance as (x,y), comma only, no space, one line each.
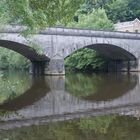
(52,99)
(99,128)
(12,85)
(100,87)
(38,89)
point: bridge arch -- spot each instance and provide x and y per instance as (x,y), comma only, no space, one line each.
(38,62)
(38,89)
(120,58)
(111,51)
(23,49)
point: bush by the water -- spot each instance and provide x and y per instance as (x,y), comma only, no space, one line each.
(84,60)
(12,60)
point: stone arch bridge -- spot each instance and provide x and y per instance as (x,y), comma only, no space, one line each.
(123,49)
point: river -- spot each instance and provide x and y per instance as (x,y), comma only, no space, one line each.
(76,106)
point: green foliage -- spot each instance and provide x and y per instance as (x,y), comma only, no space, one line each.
(123,10)
(87,7)
(87,59)
(4,17)
(134,7)
(95,20)
(35,15)
(12,60)
(83,85)
(39,14)
(98,128)
(36,47)
(99,124)
(96,87)
(119,11)
(84,60)
(91,5)
(116,10)
(12,86)
(102,3)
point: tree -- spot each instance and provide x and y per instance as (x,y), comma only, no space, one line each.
(37,14)
(3,12)
(87,7)
(12,60)
(90,5)
(118,10)
(134,7)
(123,10)
(84,60)
(95,20)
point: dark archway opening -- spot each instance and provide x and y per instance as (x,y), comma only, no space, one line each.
(20,56)
(101,57)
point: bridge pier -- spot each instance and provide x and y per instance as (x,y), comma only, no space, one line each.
(124,65)
(37,67)
(54,67)
(135,65)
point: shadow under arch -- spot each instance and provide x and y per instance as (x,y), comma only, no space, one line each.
(111,57)
(23,49)
(38,90)
(112,51)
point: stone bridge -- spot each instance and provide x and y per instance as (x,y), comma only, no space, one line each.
(123,49)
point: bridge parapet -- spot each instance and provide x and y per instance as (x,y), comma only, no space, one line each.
(73,32)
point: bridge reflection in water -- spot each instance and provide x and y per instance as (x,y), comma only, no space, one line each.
(56,98)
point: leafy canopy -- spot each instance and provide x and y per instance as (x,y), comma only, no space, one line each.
(84,59)
(123,10)
(90,5)
(87,59)
(40,13)
(95,20)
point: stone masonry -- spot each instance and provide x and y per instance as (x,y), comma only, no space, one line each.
(123,49)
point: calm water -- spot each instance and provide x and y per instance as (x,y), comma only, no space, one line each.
(78,106)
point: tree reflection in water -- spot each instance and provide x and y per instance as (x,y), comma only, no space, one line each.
(111,127)
(12,85)
(99,87)
(95,87)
